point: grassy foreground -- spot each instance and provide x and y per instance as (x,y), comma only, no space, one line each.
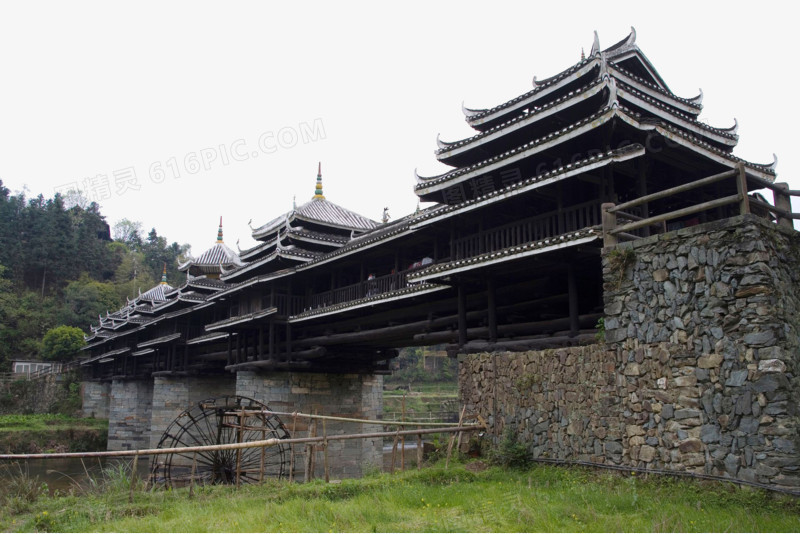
(543,498)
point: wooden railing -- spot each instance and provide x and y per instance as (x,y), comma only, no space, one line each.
(613,231)
(528,230)
(360,290)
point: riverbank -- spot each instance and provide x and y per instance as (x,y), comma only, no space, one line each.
(35,433)
(465,498)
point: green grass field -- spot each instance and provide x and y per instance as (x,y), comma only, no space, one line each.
(543,498)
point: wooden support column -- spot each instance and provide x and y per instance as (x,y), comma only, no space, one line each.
(288,338)
(462,314)
(609,223)
(783,201)
(230,348)
(260,343)
(491,306)
(271,339)
(572,289)
(641,190)
(741,186)
(238,348)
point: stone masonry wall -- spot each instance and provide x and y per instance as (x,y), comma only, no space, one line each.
(699,369)
(350,395)
(173,395)
(95,397)
(129,414)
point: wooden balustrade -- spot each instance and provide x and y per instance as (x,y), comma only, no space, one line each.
(535,228)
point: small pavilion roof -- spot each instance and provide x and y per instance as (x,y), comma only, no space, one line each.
(210,260)
(321,211)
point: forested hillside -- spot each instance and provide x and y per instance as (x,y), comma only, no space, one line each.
(62,265)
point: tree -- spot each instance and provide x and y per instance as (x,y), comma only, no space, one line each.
(85,299)
(128,232)
(62,343)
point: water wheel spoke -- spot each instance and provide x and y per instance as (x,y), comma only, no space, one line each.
(217,422)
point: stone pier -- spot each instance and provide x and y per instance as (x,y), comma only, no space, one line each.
(173,395)
(347,395)
(130,407)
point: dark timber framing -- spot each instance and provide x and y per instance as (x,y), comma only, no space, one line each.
(507,257)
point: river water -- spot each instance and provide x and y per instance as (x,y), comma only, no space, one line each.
(63,474)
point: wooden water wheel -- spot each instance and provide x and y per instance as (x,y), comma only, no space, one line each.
(217,421)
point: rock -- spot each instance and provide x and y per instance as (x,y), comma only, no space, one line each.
(612,447)
(771,366)
(632,369)
(647,453)
(691,445)
(709,434)
(737,378)
(708,361)
(765,338)
(687,413)
(634,430)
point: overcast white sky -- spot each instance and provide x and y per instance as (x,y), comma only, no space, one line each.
(126,100)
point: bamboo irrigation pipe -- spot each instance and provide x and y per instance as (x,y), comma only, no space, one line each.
(343,419)
(233,446)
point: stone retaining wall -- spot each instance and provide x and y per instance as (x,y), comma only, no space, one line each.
(699,369)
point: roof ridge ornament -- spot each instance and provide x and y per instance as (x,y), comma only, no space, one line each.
(612,92)
(219,232)
(439,142)
(631,41)
(250,224)
(595,45)
(774,165)
(535,82)
(318,191)
(164,275)
(698,99)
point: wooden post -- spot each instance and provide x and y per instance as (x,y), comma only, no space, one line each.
(572,290)
(782,200)
(609,223)
(263,449)
(403,438)
(133,476)
(291,449)
(260,343)
(491,292)
(462,314)
(239,451)
(641,187)
(191,477)
(419,450)
(394,451)
(452,437)
(741,186)
(325,451)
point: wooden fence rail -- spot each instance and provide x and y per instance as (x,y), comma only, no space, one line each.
(612,231)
